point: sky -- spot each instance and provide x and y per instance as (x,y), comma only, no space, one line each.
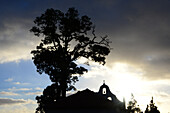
(138,63)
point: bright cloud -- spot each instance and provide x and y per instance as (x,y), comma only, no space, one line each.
(19,83)
(19,89)
(9,80)
(8,93)
(38,88)
(33,93)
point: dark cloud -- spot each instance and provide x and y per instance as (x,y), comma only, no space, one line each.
(139,30)
(5,101)
(142,37)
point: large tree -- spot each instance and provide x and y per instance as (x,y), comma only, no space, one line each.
(66,37)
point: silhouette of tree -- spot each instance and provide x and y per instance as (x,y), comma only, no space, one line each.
(151,108)
(66,37)
(132,106)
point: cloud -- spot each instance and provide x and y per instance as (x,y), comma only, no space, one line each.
(18,109)
(19,89)
(8,93)
(9,80)
(124,79)
(140,37)
(33,93)
(7,101)
(139,31)
(19,83)
(38,88)
(16,43)
(8,105)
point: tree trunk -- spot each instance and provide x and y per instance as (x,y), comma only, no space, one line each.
(63,88)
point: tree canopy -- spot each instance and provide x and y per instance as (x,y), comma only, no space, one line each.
(65,38)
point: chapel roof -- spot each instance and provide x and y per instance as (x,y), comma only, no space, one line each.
(85,99)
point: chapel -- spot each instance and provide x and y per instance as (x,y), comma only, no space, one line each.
(87,101)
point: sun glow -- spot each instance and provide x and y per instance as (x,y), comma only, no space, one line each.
(123,79)
(128,79)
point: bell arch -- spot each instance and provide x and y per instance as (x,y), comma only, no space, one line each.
(106,93)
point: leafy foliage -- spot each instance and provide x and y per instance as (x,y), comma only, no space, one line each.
(132,106)
(151,108)
(50,96)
